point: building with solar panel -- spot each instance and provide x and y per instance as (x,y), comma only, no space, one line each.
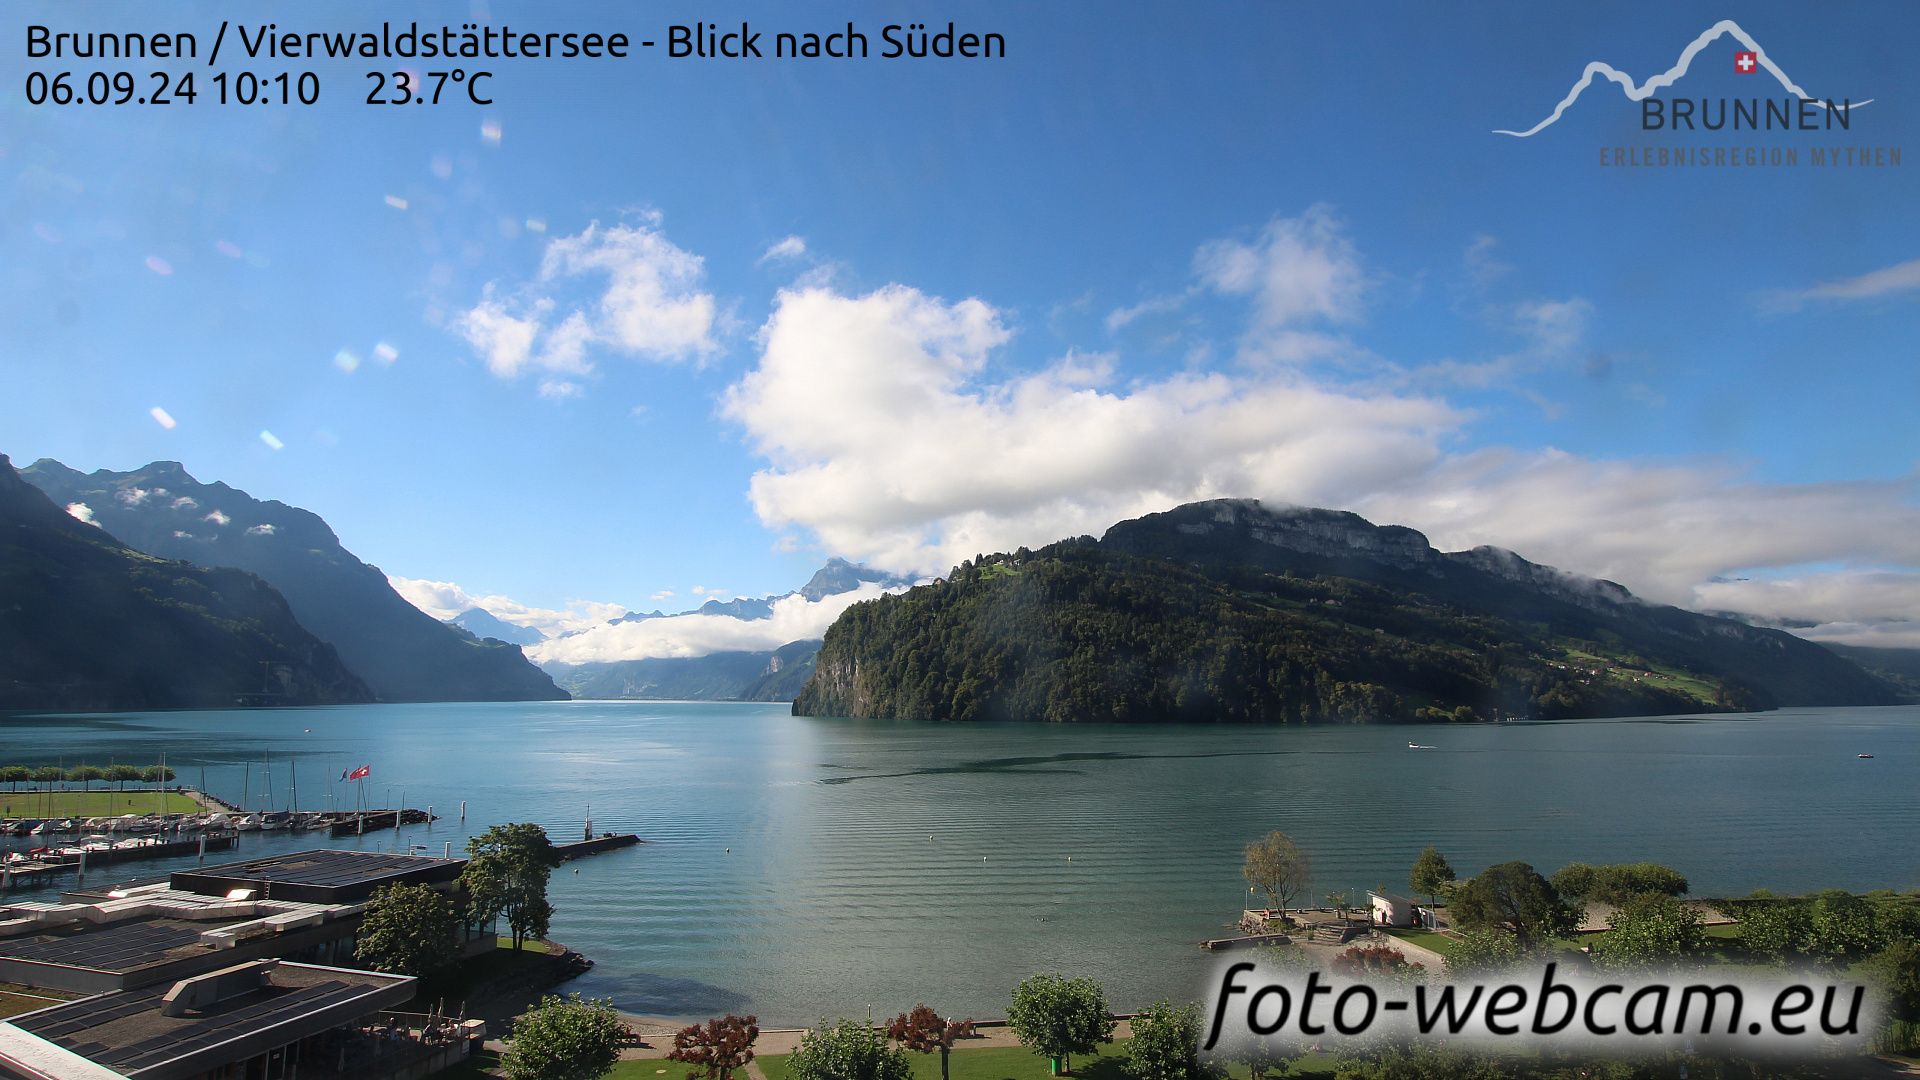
(237,971)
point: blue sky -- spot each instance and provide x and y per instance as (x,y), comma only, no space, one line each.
(1176,225)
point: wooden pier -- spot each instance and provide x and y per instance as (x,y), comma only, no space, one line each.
(31,872)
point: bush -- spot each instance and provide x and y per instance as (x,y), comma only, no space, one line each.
(1650,931)
(1058,1017)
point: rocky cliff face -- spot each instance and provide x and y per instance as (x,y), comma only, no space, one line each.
(87,622)
(402,653)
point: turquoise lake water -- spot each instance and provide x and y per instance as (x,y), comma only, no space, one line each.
(804,868)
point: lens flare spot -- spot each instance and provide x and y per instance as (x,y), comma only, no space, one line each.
(159,266)
(396,202)
(490,132)
(385,353)
(228,248)
(163,418)
(442,166)
(346,361)
(273,441)
(536,225)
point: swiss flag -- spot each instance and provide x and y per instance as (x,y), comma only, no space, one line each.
(1746,63)
(360,773)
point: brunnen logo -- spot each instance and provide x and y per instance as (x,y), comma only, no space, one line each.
(1794,110)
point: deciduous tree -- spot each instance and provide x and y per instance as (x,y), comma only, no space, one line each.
(924,1031)
(507,872)
(1276,866)
(847,1050)
(1058,1017)
(569,1038)
(1650,931)
(1431,874)
(1166,1045)
(1514,897)
(718,1047)
(408,930)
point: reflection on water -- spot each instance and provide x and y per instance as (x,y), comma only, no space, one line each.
(966,857)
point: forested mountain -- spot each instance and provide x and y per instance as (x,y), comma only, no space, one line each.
(89,623)
(1228,611)
(402,653)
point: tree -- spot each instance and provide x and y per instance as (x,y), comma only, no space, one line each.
(1618,883)
(1650,931)
(718,1048)
(1431,874)
(408,930)
(847,1050)
(570,1038)
(156,774)
(1482,952)
(121,774)
(508,867)
(85,775)
(1276,866)
(1775,929)
(15,775)
(1058,1017)
(1844,928)
(1166,1045)
(924,1031)
(1514,897)
(1897,970)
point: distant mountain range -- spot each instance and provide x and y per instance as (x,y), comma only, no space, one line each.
(482,623)
(401,653)
(758,675)
(775,675)
(91,623)
(1229,611)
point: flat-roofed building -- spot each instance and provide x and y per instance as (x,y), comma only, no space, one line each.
(261,1019)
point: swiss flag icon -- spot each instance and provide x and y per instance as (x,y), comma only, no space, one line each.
(1746,63)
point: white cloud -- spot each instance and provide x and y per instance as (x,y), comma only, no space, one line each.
(217,518)
(559,389)
(794,618)
(1887,281)
(1121,317)
(260,530)
(1298,270)
(887,440)
(890,437)
(445,599)
(82,512)
(791,247)
(186,502)
(645,302)
(1854,607)
(132,496)
(663,594)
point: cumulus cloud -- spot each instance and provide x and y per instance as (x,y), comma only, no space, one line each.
(891,441)
(217,518)
(186,502)
(623,289)
(82,512)
(445,599)
(791,247)
(893,434)
(133,496)
(794,618)
(1887,281)
(260,530)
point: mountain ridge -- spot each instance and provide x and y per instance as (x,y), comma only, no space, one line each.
(400,652)
(1228,610)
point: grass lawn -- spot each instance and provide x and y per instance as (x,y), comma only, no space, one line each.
(1427,939)
(66,804)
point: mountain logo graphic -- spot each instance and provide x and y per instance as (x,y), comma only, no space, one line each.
(1750,60)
